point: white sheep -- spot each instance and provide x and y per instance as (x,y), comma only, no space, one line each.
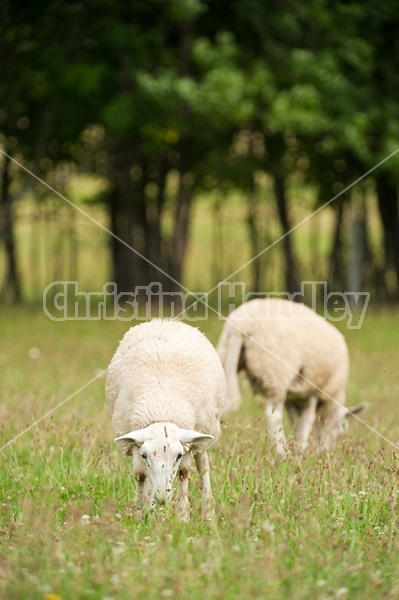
(166,388)
(297,360)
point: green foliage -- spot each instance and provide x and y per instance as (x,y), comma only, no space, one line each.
(216,91)
(302,69)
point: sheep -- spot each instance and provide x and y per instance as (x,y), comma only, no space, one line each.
(297,360)
(166,388)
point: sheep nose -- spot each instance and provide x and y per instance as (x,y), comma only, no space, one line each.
(162,497)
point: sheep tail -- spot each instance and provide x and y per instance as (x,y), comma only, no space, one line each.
(229,350)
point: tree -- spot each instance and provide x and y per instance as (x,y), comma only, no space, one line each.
(164,99)
(38,49)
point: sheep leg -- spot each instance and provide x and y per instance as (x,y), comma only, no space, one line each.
(183,503)
(304,423)
(274,417)
(208,504)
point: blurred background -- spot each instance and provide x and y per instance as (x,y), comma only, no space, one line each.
(199,132)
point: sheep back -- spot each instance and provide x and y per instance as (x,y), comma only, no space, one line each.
(165,371)
(283,341)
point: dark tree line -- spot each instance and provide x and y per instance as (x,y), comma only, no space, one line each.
(168,99)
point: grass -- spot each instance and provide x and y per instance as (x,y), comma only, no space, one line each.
(318,528)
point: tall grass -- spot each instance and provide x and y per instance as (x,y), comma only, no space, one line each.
(56,242)
(322,527)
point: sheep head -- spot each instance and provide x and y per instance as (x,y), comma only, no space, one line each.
(331,428)
(158,451)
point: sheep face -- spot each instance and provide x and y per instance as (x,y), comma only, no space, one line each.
(329,430)
(326,436)
(160,459)
(157,455)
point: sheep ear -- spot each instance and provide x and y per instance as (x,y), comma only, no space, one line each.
(355,410)
(187,436)
(137,437)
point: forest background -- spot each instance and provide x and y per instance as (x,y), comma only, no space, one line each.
(198,133)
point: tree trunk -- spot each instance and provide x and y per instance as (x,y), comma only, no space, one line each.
(354,278)
(180,234)
(154,225)
(389,213)
(335,259)
(217,245)
(137,248)
(12,284)
(252,221)
(291,278)
(126,268)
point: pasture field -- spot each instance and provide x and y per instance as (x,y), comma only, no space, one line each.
(318,528)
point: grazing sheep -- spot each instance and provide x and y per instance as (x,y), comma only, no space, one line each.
(296,359)
(166,388)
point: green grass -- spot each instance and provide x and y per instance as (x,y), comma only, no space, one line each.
(298,529)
